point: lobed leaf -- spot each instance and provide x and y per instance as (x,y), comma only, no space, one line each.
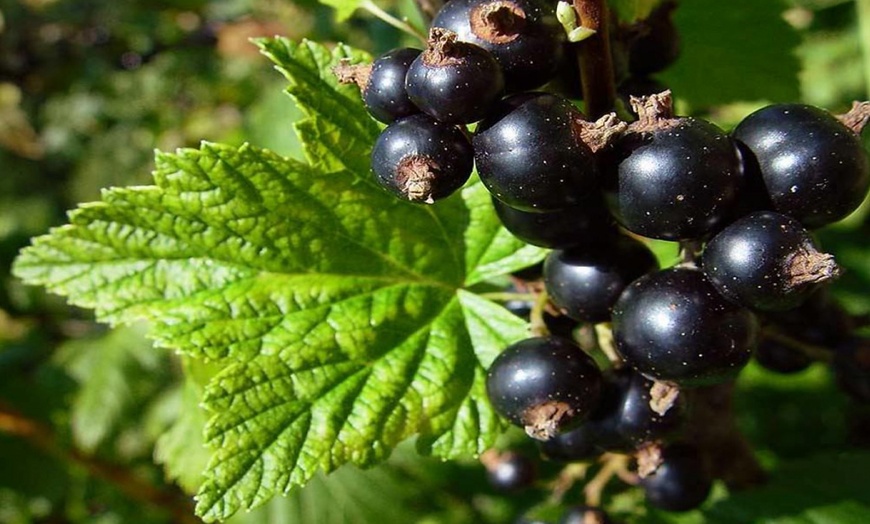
(336,313)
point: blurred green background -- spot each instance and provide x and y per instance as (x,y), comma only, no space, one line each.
(92,421)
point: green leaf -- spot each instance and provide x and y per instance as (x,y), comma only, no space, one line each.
(631,11)
(826,489)
(731,51)
(181,449)
(343,8)
(114,371)
(336,312)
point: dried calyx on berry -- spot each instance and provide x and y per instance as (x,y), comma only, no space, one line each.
(452,81)
(523,36)
(544,384)
(382,84)
(670,178)
(530,156)
(767,261)
(812,164)
(422,160)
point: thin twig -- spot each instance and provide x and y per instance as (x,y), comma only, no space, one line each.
(401,25)
(499,296)
(612,464)
(536,318)
(812,351)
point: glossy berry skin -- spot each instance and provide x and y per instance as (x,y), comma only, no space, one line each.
(674,326)
(677,181)
(659,47)
(585,282)
(638,423)
(598,433)
(528,157)
(512,472)
(680,482)
(766,261)
(586,223)
(384,96)
(422,160)
(454,82)
(814,168)
(523,35)
(545,384)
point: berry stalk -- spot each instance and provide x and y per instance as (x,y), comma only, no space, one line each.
(596,63)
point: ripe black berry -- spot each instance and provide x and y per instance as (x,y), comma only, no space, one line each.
(766,261)
(580,444)
(680,483)
(674,326)
(529,157)
(422,160)
(599,432)
(384,94)
(545,384)
(454,81)
(658,46)
(638,423)
(815,168)
(585,282)
(671,178)
(510,471)
(523,36)
(585,223)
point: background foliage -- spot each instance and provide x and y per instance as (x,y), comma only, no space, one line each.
(101,425)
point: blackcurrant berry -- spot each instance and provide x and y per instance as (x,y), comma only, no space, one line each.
(598,433)
(778,358)
(529,156)
(585,515)
(766,261)
(585,282)
(523,36)
(671,178)
(658,46)
(585,223)
(580,444)
(511,471)
(384,94)
(674,326)
(680,483)
(454,82)
(637,422)
(545,384)
(422,160)
(814,168)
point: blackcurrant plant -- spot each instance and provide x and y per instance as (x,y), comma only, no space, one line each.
(595,267)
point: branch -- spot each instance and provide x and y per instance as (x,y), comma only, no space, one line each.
(596,63)
(41,437)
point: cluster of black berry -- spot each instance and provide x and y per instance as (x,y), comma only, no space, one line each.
(741,204)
